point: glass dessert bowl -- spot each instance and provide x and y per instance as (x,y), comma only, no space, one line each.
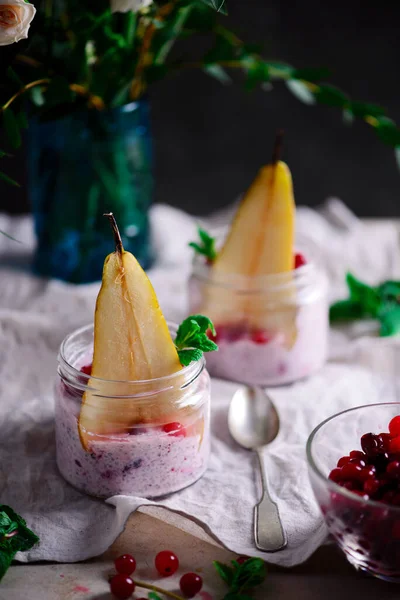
(354,470)
(152,457)
(271,329)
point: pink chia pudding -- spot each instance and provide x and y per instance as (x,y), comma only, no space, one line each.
(151,460)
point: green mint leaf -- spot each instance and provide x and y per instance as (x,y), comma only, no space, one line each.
(154,596)
(187,331)
(364,294)
(14,537)
(249,574)
(346,310)
(389,317)
(189,355)
(8,179)
(225,572)
(204,323)
(206,245)
(332,96)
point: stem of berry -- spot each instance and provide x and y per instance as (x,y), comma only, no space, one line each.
(154,588)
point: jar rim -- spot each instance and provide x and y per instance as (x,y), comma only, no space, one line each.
(190,373)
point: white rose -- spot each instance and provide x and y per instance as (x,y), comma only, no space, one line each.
(15,19)
(129,5)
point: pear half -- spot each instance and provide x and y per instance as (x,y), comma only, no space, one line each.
(131,343)
(260,243)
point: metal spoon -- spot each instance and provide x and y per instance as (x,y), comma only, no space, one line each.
(253,423)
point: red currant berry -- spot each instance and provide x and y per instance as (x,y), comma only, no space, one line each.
(190,584)
(343,461)
(370,444)
(299,260)
(260,336)
(385,441)
(167,563)
(87,369)
(122,586)
(175,429)
(358,461)
(125,564)
(394,426)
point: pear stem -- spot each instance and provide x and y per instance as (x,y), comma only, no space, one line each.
(117,236)
(276,154)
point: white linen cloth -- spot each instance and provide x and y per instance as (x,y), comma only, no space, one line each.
(36,314)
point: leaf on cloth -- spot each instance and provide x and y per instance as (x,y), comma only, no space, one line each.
(14,537)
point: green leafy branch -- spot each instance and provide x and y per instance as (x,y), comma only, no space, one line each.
(241,578)
(366,302)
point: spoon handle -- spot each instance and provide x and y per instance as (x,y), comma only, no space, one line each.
(268,530)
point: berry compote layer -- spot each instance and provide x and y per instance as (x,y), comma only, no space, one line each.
(267,356)
(149,461)
(369,532)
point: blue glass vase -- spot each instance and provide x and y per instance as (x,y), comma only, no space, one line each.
(80,167)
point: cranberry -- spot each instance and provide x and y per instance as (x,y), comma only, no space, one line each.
(125,564)
(190,584)
(357,454)
(176,429)
(343,461)
(336,475)
(388,497)
(367,473)
(394,426)
(370,444)
(260,336)
(384,439)
(394,446)
(358,461)
(299,260)
(242,559)
(167,563)
(348,485)
(393,469)
(122,586)
(371,486)
(351,472)
(87,369)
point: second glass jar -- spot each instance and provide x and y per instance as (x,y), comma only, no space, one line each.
(271,330)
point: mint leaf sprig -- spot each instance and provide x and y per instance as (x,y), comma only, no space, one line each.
(367,302)
(205,246)
(192,340)
(241,577)
(14,537)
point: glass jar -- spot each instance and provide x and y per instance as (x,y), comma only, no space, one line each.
(271,330)
(146,457)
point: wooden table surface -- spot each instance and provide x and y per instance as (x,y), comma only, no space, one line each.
(325,576)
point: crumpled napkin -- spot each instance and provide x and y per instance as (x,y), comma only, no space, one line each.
(36,314)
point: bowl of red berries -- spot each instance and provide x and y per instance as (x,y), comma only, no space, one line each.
(354,468)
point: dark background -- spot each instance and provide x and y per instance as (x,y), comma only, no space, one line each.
(210,139)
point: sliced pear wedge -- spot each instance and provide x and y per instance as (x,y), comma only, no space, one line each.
(260,243)
(131,343)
